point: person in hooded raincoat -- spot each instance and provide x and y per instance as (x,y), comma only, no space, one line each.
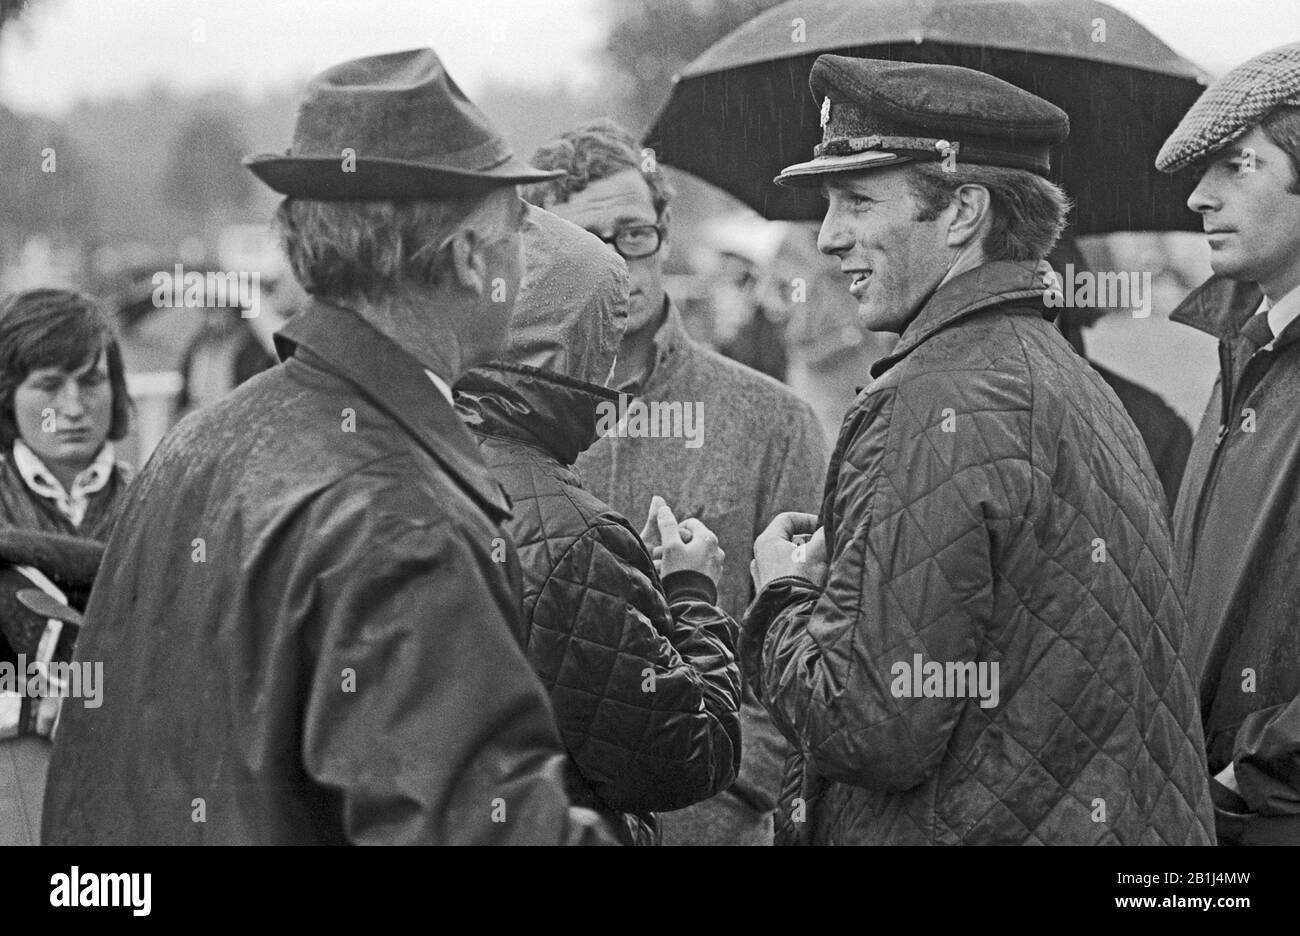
(640,668)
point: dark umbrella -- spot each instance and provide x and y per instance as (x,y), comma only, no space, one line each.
(742,111)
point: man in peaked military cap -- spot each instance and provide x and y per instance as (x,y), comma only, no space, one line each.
(312,627)
(1237,520)
(981,641)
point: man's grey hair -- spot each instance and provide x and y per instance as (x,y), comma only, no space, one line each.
(1028,211)
(367,250)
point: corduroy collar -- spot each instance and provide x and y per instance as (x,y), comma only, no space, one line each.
(1219,307)
(987,285)
(395,382)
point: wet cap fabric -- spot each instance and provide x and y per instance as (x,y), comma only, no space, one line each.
(393,126)
(1232,105)
(877,113)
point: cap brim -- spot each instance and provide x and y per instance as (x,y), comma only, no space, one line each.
(1178,154)
(809,174)
(331,178)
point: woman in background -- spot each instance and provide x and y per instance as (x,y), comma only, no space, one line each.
(63,401)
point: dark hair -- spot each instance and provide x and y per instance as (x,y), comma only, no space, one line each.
(56,328)
(1282,126)
(1028,211)
(586,154)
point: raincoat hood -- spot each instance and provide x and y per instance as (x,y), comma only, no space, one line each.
(565,332)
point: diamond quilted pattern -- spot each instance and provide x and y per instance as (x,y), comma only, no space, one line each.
(600,626)
(972,493)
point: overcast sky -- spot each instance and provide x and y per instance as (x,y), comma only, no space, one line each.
(68,49)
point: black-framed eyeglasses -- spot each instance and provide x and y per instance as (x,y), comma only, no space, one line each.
(637,241)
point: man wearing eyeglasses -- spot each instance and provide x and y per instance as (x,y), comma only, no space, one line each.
(755,450)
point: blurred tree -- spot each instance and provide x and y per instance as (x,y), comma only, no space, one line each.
(529,116)
(651,40)
(205,179)
(47,185)
(11,10)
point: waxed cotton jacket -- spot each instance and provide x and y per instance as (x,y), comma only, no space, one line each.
(642,673)
(989,503)
(1237,526)
(305,634)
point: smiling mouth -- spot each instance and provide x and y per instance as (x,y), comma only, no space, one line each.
(859,281)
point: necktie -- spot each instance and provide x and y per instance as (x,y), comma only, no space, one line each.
(1257,330)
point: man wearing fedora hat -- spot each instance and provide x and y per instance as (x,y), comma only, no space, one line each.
(980,640)
(1237,515)
(311,625)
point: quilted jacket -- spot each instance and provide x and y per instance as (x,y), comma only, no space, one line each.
(988,503)
(642,673)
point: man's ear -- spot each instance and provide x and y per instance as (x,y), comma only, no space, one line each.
(467,260)
(666,221)
(974,213)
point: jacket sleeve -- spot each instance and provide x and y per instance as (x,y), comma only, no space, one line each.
(1266,760)
(645,685)
(909,574)
(422,714)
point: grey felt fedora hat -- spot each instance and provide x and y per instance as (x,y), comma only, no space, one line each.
(393,126)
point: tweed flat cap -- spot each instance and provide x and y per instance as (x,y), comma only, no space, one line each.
(1232,105)
(877,113)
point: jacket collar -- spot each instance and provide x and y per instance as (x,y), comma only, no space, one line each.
(1219,307)
(987,285)
(554,412)
(395,382)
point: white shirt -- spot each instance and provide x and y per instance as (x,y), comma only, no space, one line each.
(1280,314)
(443,387)
(72,504)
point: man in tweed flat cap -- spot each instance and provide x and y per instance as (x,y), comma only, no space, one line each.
(1237,519)
(980,642)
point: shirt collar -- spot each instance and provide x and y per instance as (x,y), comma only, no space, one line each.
(1281,313)
(41,481)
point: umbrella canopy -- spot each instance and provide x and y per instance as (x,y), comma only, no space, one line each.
(742,111)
